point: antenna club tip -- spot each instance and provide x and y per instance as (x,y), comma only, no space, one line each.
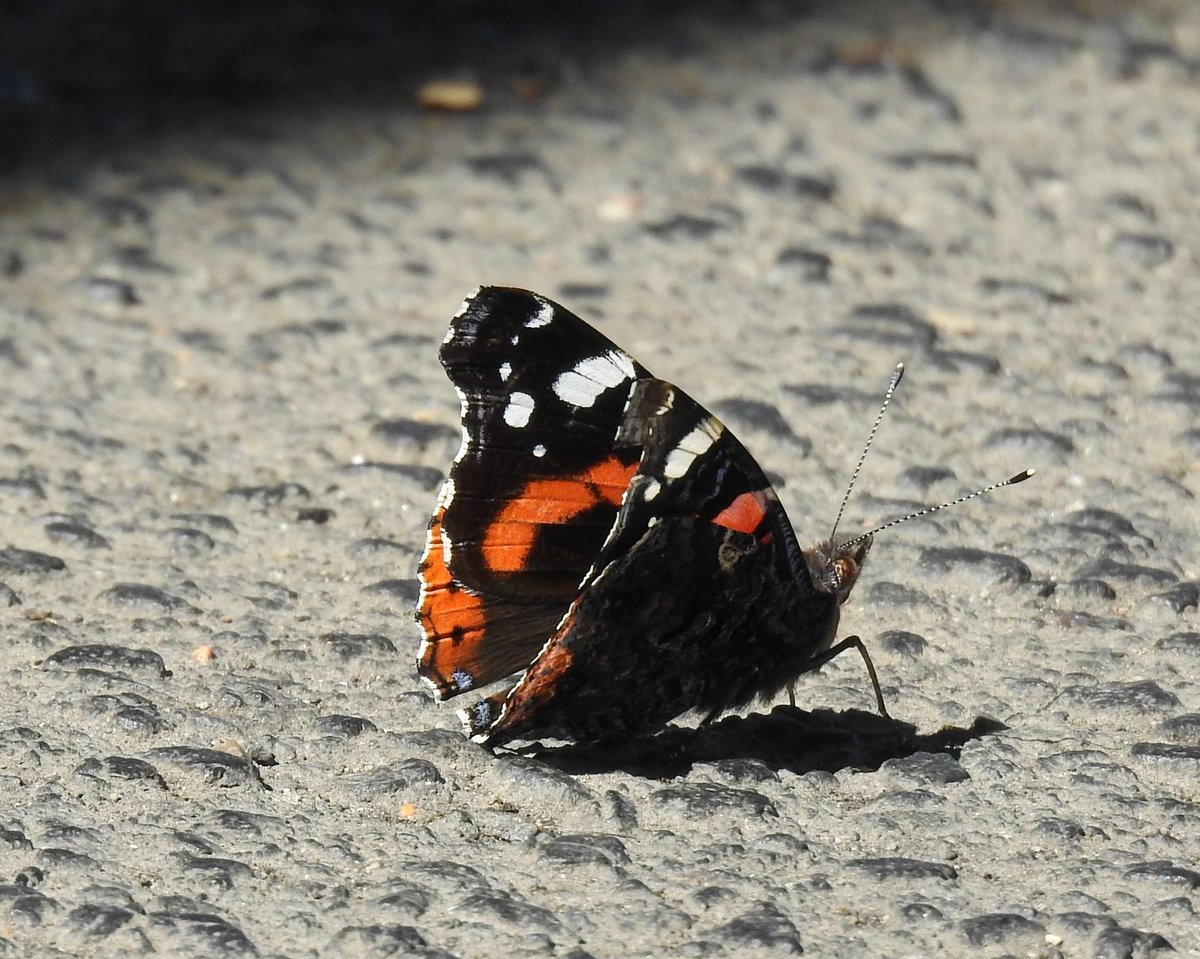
(1022,476)
(900,367)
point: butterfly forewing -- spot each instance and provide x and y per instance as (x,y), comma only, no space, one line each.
(537,482)
(534,489)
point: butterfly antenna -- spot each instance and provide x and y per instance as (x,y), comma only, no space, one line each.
(897,373)
(1021,477)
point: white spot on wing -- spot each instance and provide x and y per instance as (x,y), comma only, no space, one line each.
(680,459)
(539,451)
(518,411)
(427,680)
(445,498)
(583,385)
(466,305)
(467,302)
(505,371)
(542,317)
(465,446)
(650,489)
(667,404)
(462,309)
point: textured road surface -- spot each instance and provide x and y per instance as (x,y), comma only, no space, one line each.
(229,246)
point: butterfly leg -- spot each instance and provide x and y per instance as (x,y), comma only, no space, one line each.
(852,642)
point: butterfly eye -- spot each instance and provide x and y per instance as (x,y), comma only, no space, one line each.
(843,569)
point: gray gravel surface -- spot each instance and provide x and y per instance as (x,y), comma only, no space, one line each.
(230,241)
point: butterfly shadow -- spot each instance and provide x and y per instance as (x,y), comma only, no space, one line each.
(786,738)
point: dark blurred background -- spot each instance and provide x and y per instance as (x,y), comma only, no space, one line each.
(77,73)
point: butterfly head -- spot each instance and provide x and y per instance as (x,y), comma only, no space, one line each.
(834,568)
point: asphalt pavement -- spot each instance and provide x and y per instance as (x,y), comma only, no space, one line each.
(231,239)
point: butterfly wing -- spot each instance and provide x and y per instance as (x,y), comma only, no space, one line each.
(699,598)
(534,490)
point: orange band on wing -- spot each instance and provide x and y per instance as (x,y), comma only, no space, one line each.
(745,514)
(510,537)
(448,612)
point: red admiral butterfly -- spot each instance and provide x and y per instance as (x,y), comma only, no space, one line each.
(607,536)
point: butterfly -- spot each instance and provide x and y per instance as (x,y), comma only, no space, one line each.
(608,539)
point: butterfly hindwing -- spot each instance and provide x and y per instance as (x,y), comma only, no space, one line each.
(725,617)
(534,490)
(626,658)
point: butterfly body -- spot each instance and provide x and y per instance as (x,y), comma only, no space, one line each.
(606,537)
